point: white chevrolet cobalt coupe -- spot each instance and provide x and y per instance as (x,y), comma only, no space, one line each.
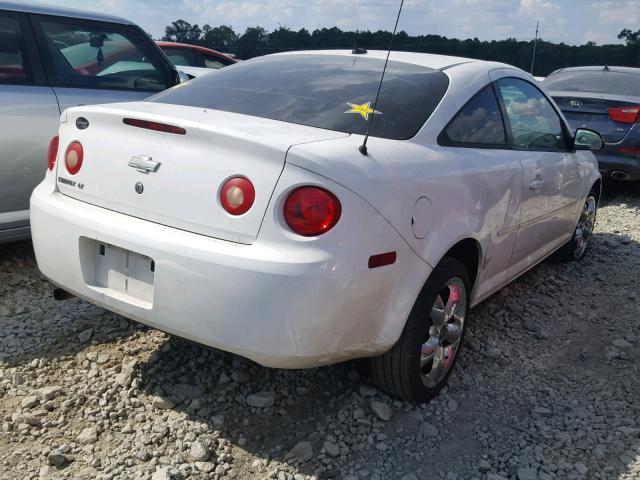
(237,210)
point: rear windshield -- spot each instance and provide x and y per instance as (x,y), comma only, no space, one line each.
(618,83)
(326,91)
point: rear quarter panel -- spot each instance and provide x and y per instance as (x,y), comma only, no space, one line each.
(473,193)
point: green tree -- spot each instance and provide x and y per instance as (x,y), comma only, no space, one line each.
(253,42)
(182,32)
(219,38)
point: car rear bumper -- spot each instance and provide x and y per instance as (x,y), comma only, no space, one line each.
(281,305)
(629,164)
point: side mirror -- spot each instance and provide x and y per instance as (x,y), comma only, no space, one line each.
(587,140)
(183,76)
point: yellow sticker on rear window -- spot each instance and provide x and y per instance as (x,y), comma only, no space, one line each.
(363,110)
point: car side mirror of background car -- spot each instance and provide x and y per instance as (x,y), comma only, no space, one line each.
(183,76)
(586,139)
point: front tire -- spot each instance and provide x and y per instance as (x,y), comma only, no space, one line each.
(576,248)
(420,363)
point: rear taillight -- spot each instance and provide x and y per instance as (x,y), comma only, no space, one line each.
(158,127)
(52,154)
(237,195)
(73,157)
(311,211)
(627,115)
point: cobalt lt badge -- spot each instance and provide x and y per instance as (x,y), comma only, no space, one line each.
(139,188)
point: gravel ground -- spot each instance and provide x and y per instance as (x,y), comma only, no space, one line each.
(547,387)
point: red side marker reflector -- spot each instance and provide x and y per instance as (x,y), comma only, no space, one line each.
(629,150)
(382,259)
(158,127)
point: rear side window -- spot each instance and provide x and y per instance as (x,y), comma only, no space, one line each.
(101,57)
(618,83)
(478,123)
(181,56)
(13,65)
(333,92)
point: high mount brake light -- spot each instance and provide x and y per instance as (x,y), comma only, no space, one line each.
(52,154)
(73,157)
(155,126)
(311,211)
(237,195)
(628,115)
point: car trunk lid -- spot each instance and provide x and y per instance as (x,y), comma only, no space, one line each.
(592,111)
(184,190)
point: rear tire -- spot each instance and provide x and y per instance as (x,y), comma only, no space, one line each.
(576,248)
(420,363)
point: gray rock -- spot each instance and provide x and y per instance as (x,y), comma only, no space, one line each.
(621,343)
(382,410)
(493,352)
(331,448)
(85,335)
(88,436)
(161,403)
(29,402)
(57,459)
(527,474)
(428,429)
(261,399)
(303,451)
(161,473)
(199,452)
(48,393)
(581,468)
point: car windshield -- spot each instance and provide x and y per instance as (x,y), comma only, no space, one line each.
(327,91)
(618,83)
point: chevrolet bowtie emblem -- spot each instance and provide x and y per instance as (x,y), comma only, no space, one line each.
(144,163)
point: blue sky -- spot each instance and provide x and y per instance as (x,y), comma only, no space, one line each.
(570,21)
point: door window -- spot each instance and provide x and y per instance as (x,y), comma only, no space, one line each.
(478,123)
(91,56)
(13,65)
(181,56)
(535,125)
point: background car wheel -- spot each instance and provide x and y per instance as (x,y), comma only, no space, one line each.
(576,248)
(420,363)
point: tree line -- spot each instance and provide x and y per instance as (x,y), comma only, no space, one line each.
(550,56)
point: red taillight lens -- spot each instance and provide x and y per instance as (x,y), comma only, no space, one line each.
(52,154)
(237,195)
(158,127)
(311,211)
(625,114)
(73,157)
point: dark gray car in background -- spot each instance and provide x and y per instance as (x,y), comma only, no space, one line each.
(53,58)
(607,100)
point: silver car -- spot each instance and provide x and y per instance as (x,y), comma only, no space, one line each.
(50,59)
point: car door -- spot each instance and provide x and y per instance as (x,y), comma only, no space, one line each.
(552,183)
(29,117)
(90,62)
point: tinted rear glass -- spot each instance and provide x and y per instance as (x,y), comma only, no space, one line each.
(326,91)
(617,83)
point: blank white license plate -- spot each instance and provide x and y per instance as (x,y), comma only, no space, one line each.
(121,271)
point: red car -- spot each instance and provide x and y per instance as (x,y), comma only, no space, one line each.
(185,55)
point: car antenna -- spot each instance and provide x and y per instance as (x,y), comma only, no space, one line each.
(363,147)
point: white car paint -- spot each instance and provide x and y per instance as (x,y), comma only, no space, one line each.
(251,286)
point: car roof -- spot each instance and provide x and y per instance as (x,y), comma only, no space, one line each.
(429,60)
(164,43)
(37,8)
(599,68)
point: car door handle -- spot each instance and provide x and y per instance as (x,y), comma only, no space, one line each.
(536,185)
